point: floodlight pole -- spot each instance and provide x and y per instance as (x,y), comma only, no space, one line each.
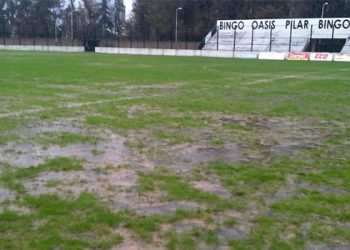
(322,14)
(56,32)
(176,23)
(323,6)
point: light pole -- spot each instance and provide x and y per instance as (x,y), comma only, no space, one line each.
(324,5)
(176,23)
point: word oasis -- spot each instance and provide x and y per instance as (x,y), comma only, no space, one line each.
(295,24)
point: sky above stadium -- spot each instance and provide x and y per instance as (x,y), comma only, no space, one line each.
(128,8)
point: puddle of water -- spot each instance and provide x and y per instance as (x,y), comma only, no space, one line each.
(227,234)
(191,155)
(113,151)
(21,155)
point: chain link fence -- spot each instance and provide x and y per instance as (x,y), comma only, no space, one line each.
(90,36)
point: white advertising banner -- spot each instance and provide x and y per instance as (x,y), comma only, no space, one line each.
(342,57)
(271,56)
(327,57)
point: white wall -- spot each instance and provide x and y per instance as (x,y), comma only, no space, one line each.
(211,53)
(42,48)
(164,52)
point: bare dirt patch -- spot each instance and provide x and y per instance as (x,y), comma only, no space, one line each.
(282,136)
(131,243)
(6,194)
(210,187)
(167,208)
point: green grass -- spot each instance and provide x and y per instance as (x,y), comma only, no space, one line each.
(162,105)
(245,180)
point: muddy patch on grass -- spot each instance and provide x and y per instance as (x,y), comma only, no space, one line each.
(21,154)
(68,126)
(227,234)
(319,246)
(125,178)
(66,183)
(184,157)
(6,194)
(212,188)
(71,185)
(167,208)
(164,86)
(109,149)
(187,225)
(31,154)
(281,136)
(197,154)
(132,243)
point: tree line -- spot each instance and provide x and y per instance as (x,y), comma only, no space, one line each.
(86,20)
(91,20)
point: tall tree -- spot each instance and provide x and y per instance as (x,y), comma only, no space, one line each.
(104,17)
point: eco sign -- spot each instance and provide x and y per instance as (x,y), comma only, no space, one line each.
(321,57)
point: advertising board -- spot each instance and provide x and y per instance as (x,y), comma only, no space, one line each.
(342,57)
(298,56)
(271,56)
(327,57)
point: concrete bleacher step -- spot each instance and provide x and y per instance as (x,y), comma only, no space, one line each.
(346,48)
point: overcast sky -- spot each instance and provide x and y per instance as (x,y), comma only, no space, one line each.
(128,7)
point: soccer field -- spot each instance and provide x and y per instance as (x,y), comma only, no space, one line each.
(135,152)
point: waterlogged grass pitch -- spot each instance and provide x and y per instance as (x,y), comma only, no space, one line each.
(131,152)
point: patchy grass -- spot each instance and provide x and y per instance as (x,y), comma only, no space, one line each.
(64,139)
(248,179)
(11,176)
(288,123)
(189,240)
(55,223)
(173,185)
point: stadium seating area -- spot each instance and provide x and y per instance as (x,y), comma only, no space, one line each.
(277,40)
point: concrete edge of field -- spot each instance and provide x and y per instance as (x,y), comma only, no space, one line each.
(305,56)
